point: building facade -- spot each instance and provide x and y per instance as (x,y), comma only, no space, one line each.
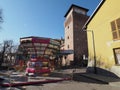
(105,25)
(75,39)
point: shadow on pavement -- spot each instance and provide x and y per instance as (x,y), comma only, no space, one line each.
(80,78)
(102,72)
(76,77)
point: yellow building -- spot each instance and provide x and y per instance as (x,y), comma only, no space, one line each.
(103,30)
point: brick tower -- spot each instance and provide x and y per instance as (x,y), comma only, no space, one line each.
(75,38)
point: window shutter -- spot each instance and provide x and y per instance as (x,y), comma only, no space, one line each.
(119,33)
(113,25)
(114,35)
(118,23)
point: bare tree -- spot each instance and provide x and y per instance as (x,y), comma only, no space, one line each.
(2,52)
(7,52)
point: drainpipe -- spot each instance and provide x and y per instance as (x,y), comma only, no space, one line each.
(94,52)
(84,28)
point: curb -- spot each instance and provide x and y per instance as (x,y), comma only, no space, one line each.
(33,82)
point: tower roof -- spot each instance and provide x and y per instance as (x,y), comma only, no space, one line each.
(73,5)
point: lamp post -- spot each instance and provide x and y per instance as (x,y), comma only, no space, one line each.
(94,52)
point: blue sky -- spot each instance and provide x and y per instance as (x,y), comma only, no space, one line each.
(44,18)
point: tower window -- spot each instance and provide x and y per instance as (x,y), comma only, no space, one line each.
(68,46)
(68,37)
(68,27)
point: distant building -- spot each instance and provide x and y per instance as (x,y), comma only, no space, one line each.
(75,38)
(105,25)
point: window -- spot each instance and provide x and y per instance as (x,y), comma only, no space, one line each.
(118,23)
(68,46)
(117,55)
(68,27)
(68,37)
(115,26)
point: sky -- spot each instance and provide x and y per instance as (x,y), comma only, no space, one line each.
(42,18)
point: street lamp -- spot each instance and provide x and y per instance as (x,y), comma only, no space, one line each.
(94,52)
